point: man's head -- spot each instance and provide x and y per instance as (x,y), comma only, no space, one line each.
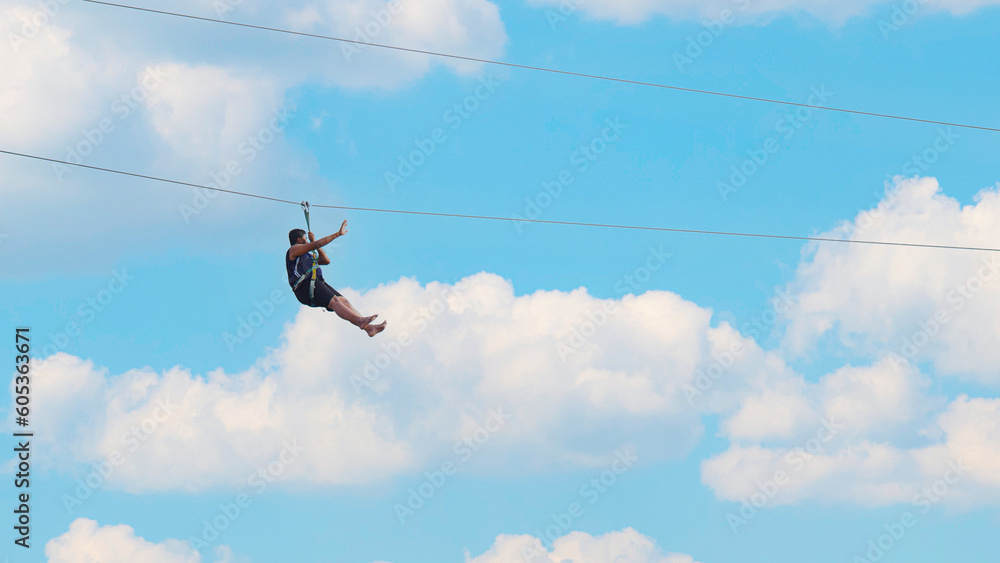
(294,235)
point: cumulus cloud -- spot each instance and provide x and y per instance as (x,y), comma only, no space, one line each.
(67,95)
(227,429)
(71,93)
(468,28)
(572,378)
(159,108)
(919,304)
(61,81)
(631,12)
(579,547)
(454,357)
(209,113)
(957,471)
(880,399)
(52,88)
(874,434)
(873,437)
(86,541)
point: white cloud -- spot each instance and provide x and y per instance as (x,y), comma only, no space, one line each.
(579,547)
(769,414)
(52,89)
(635,381)
(877,400)
(68,96)
(366,410)
(874,435)
(473,344)
(471,28)
(631,12)
(208,113)
(225,428)
(972,427)
(71,77)
(920,304)
(86,542)
(875,438)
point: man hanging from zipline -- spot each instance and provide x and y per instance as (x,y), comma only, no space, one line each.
(306,278)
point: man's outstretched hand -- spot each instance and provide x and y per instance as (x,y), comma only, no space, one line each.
(343,229)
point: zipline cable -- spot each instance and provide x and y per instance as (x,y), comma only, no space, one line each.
(509,219)
(545,69)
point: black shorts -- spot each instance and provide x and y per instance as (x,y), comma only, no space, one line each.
(324,293)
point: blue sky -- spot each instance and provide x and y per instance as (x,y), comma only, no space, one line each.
(519,291)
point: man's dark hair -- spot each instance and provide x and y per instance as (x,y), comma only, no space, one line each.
(294,234)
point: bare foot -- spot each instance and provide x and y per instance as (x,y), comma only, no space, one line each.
(372,330)
(366,321)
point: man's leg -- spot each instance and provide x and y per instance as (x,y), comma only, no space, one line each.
(346,303)
(346,312)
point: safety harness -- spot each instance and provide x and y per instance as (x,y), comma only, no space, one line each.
(315,262)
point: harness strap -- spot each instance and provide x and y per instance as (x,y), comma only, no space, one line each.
(301,279)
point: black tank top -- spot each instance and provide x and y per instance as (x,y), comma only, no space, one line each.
(298,266)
